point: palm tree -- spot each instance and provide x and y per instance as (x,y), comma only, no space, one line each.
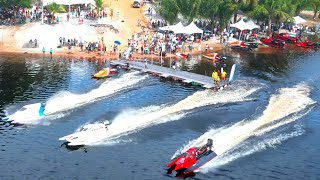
(279,10)
(315,6)
(301,5)
(56,8)
(244,5)
(226,9)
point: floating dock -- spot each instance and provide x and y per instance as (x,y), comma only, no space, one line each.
(165,72)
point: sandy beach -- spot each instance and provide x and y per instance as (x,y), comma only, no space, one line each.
(14,39)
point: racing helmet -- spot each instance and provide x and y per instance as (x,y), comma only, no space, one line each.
(209,143)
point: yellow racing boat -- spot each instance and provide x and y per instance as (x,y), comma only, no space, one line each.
(106,72)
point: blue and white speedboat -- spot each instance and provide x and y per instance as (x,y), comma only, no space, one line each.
(27,114)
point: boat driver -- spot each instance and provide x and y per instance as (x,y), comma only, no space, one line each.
(106,124)
(205,148)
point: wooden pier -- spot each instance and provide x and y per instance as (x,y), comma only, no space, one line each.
(165,72)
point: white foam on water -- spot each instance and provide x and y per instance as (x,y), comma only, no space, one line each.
(65,100)
(283,108)
(136,119)
(250,149)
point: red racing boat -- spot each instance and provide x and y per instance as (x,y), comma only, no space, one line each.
(190,161)
(308,44)
(273,42)
(182,55)
(285,37)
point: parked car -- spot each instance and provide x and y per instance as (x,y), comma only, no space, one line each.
(136,4)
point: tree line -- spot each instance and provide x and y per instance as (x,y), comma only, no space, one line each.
(221,11)
(19,3)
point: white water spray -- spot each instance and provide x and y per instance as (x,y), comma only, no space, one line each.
(134,120)
(65,100)
(287,106)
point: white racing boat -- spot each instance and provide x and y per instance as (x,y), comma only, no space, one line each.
(87,133)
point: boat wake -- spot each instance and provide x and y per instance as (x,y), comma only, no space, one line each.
(64,100)
(133,120)
(242,138)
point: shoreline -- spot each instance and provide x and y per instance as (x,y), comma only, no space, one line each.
(107,56)
(94,56)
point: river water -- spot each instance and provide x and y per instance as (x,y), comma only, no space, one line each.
(264,126)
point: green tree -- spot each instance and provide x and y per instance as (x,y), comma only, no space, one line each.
(315,6)
(278,10)
(98,4)
(56,8)
(245,6)
(189,9)
(10,3)
(169,10)
(301,5)
(208,10)
(226,10)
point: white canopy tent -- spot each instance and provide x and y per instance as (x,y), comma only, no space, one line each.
(249,25)
(192,28)
(164,28)
(177,28)
(299,20)
(180,29)
(252,25)
(240,25)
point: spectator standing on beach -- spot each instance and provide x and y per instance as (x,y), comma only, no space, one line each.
(183,48)
(114,49)
(104,49)
(81,46)
(51,52)
(173,64)
(120,54)
(99,48)
(190,47)
(69,48)
(43,50)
